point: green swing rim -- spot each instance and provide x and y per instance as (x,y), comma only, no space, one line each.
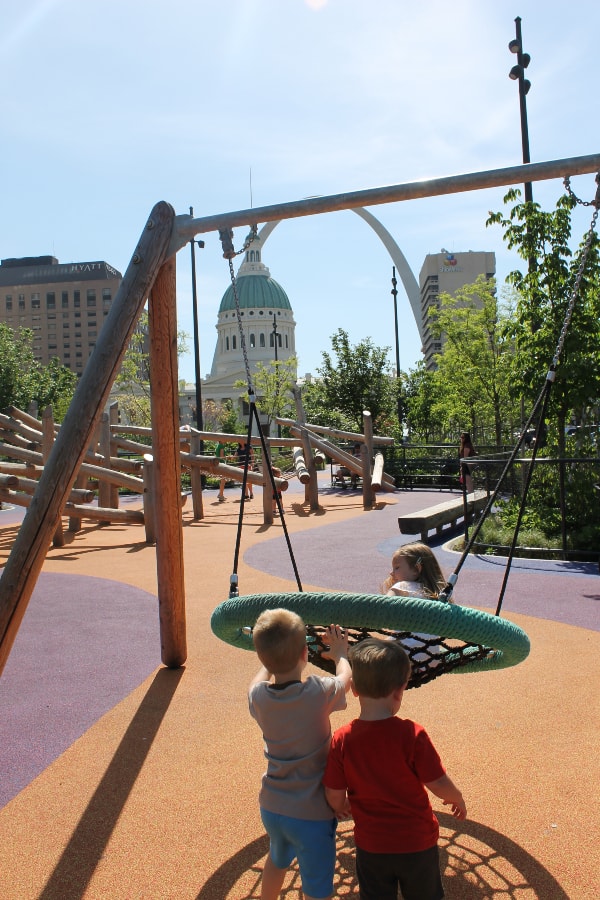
(509,645)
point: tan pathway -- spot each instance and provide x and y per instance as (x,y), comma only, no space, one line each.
(157,800)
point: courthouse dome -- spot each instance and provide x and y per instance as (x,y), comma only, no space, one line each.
(255,287)
(255,292)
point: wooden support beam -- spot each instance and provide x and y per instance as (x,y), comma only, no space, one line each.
(31,544)
(335,432)
(162,327)
(196,480)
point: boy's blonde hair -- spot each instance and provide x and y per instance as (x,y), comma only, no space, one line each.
(378,667)
(423,559)
(279,639)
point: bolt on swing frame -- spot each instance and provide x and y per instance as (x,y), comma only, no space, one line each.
(151,272)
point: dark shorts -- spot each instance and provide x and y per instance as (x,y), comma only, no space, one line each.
(416,874)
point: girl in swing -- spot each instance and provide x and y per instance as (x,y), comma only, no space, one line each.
(416,573)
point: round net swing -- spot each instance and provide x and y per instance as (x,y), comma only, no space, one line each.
(443,637)
(439,637)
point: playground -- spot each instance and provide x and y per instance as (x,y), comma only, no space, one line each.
(125,779)
(130,766)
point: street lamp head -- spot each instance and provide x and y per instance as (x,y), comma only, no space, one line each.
(515,46)
(526,86)
(525,60)
(515,73)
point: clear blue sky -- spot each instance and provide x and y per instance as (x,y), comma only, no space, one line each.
(112,105)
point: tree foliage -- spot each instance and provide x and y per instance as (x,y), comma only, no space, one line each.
(24,380)
(273,385)
(472,378)
(421,397)
(134,378)
(543,294)
(356,378)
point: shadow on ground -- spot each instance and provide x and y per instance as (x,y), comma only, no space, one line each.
(478,862)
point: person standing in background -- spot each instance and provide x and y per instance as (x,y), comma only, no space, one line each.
(465,450)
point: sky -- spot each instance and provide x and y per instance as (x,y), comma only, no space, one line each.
(109,106)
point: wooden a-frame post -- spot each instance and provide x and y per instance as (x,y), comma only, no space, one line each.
(149,265)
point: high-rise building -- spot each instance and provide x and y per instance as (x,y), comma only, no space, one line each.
(446,272)
(63,304)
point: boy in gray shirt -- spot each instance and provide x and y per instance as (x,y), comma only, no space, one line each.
(294,717)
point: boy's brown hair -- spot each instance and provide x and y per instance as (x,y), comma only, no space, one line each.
(378,667)
(279,639)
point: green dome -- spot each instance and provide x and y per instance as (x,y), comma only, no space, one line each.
(256,291)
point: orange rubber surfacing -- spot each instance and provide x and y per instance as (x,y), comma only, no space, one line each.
(158,798)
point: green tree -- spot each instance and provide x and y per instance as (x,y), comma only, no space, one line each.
(273,385)
(17,362)
(473,372)
(357,378)
(55,387)
(134,378)
(420,399)
(24,380)
(543,294)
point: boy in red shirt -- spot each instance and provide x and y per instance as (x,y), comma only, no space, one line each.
(378,768)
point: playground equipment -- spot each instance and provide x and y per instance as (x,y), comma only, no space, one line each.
(151,274)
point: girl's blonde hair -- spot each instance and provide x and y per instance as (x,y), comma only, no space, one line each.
(422,558)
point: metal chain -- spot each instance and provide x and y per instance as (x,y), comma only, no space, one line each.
(581,268)
(571,193)
(226,237)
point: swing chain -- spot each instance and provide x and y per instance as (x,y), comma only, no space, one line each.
(229,253)
(580,270)
(595,202)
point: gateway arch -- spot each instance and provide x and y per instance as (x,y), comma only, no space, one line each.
(404,271)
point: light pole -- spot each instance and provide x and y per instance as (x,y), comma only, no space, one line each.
(395,296)
(199,417)
(517,73)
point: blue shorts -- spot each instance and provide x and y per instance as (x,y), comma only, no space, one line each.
(310,841)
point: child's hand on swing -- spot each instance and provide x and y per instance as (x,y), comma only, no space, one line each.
(337,639)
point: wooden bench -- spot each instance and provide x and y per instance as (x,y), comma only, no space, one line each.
(447,513)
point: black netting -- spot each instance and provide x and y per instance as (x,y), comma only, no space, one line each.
(430,656)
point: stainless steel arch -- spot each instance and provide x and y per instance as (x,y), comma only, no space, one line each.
(404,271)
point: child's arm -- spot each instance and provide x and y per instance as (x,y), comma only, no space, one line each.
(262,675)
(446,790)
(338,801)
(338,652)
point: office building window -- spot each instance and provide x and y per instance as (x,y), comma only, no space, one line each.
(65,299)
(8,302)
(76,298)
(91,297)
(35,301)
(50,300)
(106,297)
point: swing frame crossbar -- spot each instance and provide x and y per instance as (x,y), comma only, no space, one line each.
(151,275)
